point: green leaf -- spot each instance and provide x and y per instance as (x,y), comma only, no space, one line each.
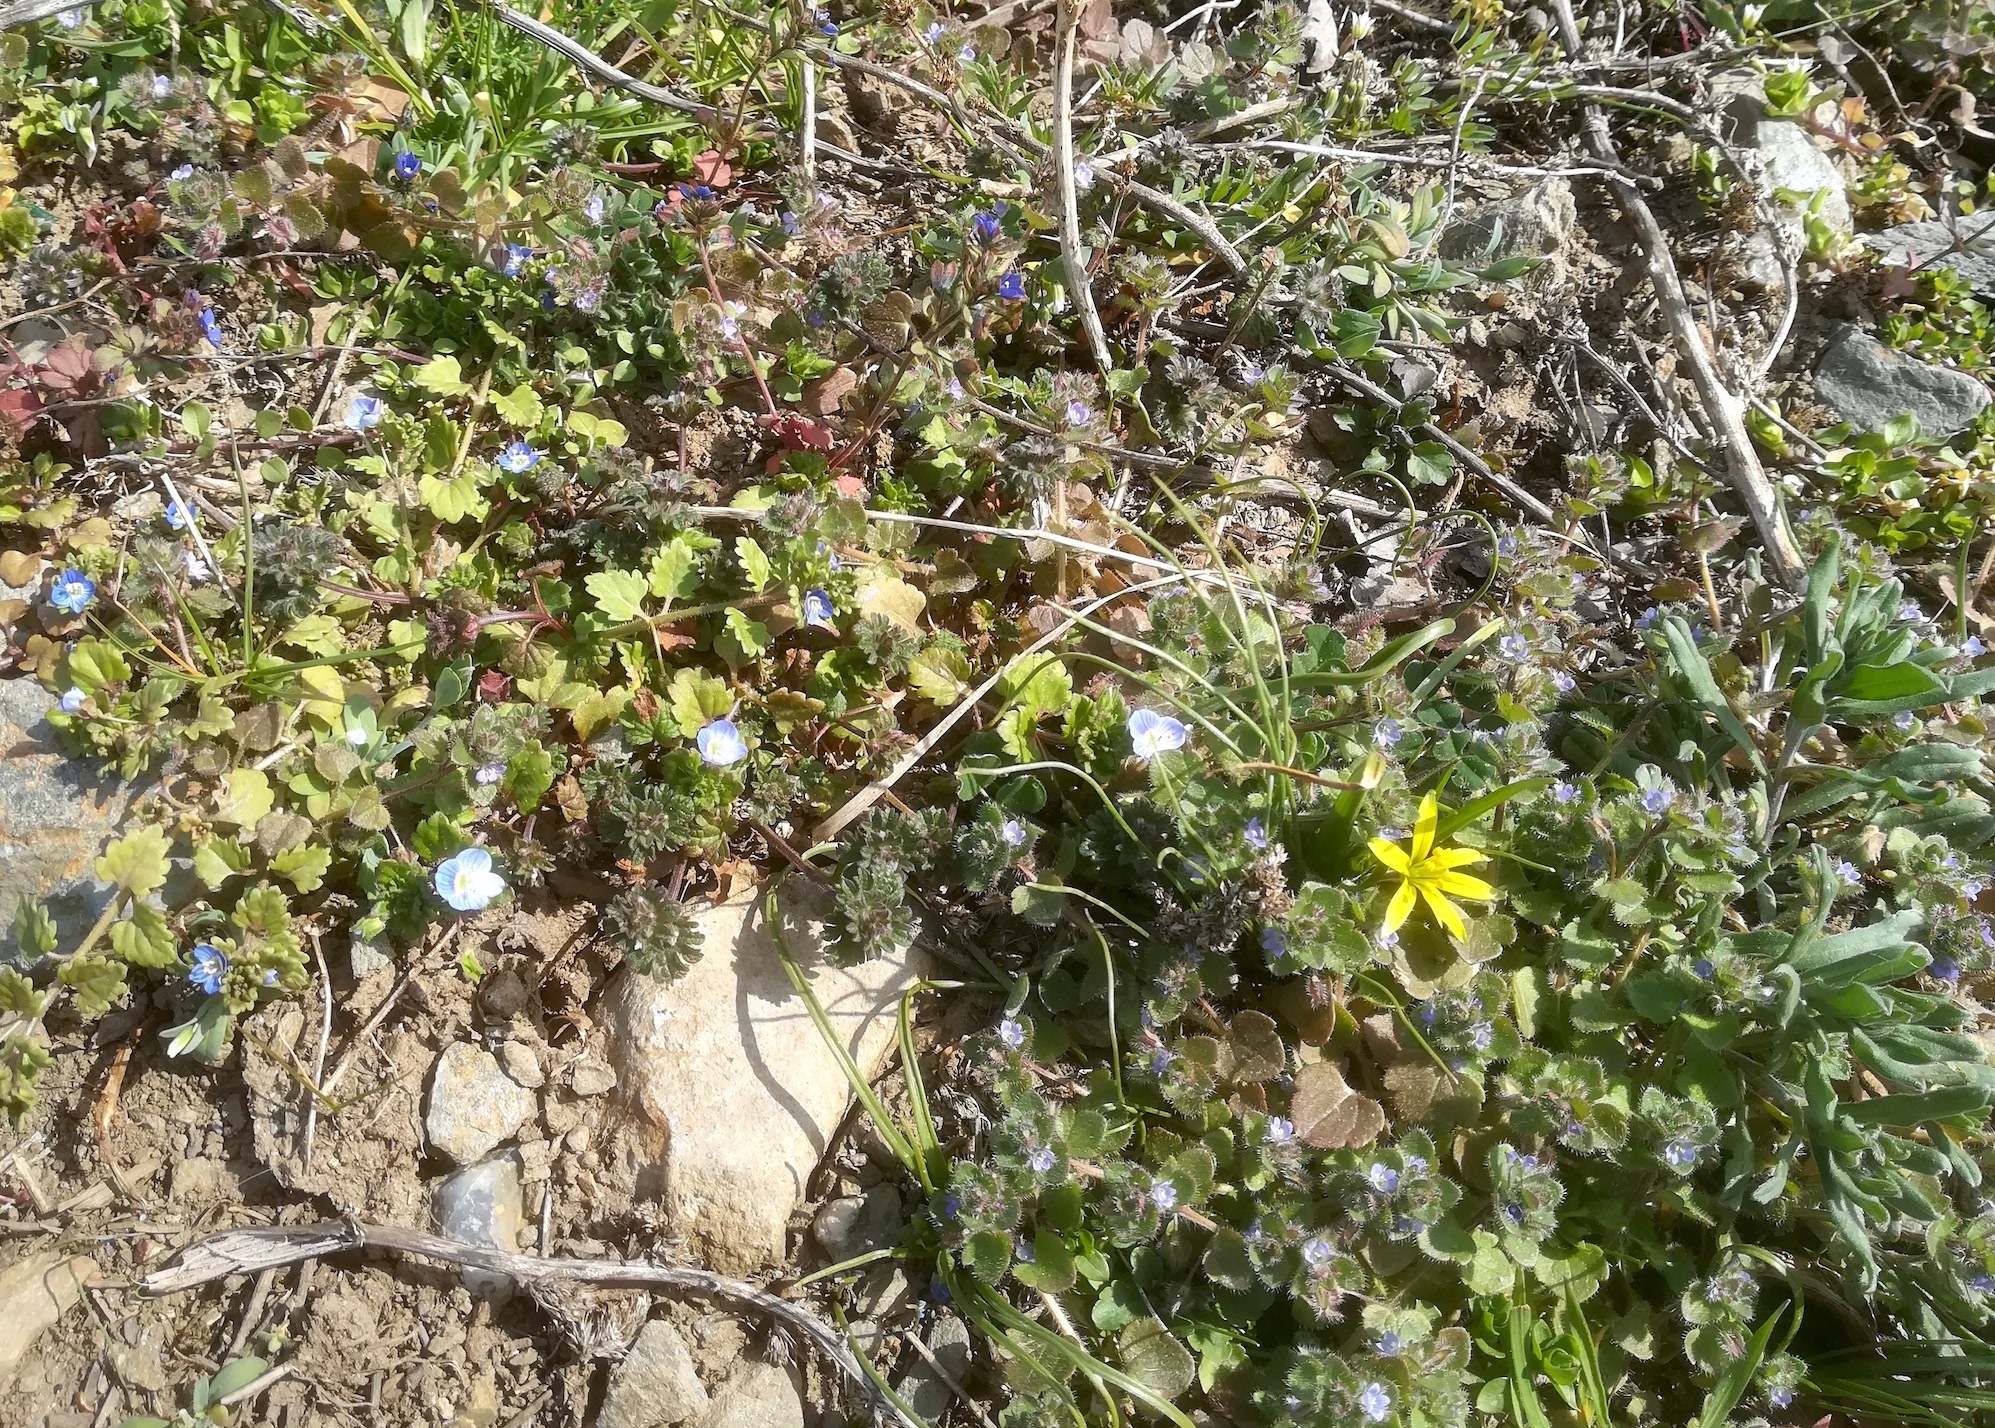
(619,594)
(742,639)
(696,699)
(142,939)
(233,1377)
(304,867)
(940,674)
(34,930)
(442,376)
(529,775)
(1738,1376)
(521,407)
(245,799)
(136,862)
(1051,1268)
(988,1254)
(1119,1305)
(263,909)
(94,663)
(1155,1359)
(673,568)
(754,564)
(99,982)
(453,500)
(216,860)
(1695,673)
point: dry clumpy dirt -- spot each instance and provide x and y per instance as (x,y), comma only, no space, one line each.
(368,1339)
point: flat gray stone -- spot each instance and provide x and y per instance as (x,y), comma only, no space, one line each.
(656,1385)
(1535,224)
(55,815)
(853,1225)
(480,1205)
(473,1104)
(756,1395)
(1869,384)
(728,1065)
(881,1292)
(1795,162)
(949,1341)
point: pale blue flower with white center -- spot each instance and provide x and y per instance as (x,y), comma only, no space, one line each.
(1389,1344)
(1375,1402)
(1508,546)
(1680,1155)
(1163,1194)
(1151,734)
(1903,720)
(1657,801)
(518,459)
(210,963)
(1014,833)
(933,32)
(178,516)
(1382,1178)
(1416,1165)
(1514,648)
(1011,1033)
(1274,941)
(1387,940)
(468,882)
(1387,732)
(1849,873)
(69,19)
(72,700)
(1563,682)
(1780,1397)
(967,55)
(1280,1130)
(1255,834)
(488,774)
(1042,1159)
(818,609)
(517,257)
(182,174)
(73,591)
(358,737)
(1973,648)
(1011,287)
(1078,413)
(161,86)
(1565,792)
(593,209)
(1983,1283)
(197,568)
(1083,176)
(1971,889)
(364,412)
(1481,1035)
(1318,1252)
(721,744)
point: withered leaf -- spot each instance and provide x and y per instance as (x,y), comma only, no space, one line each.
(1331,1116)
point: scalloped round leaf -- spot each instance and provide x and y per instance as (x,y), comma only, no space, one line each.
(1328,1114)
(1254,1048)
(1155,1359)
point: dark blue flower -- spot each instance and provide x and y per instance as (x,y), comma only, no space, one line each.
(987,226)
(209,966)
(210,328)
(73,590)
(516,259)
(1011,287)
(407,165)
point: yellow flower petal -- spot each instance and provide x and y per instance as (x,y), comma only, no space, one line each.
(1454,858)
(1400,908)
(1423,827)
(1391,854)
(1444,912)
(1462,885)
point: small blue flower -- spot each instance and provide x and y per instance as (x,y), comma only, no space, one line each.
(1011,287)
(1565,792)
(1014,833)
(1971,889)
(1563,682)
(1705,969)
(1011,1033)
(1161,1060)
(1416,1165)
(1375,1402)
(1903,720)
(1280,1130)
(518,458)
(1078,413)
(210,328)
(1945,969)
(1508,546)
(829,30)
(72,700)
(1513,1212)
(1973,648)
(1657,801)
(162,86)
(1255,834)
(1163,1194)
(407,165)
(967,55)
(468,881)
(1514,648)
(1849,873)
(517,258)
(364,412)
(1389,1344)
(1387,941)
(1387,732)
(488,774)
(721,744)
(951,1207)
(1984,1282)
(818,609)
(1041,1159)
(209,965)
(1317,1252)
(182,174)
(73,590)
(1382,1178)
(178,516)
(1083,175)
(1151,734)
(1646,618)
(1274,941)
(1780,1396)
(933,32)
(1680,1155)
(792,224)
(593,209)
(1481,1036)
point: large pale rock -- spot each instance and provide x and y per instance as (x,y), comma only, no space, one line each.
(756,1395)
(1535,224)
(656,1385)
(55,814)
(1796,163)
(1868,384)
(481,1205)
(728,1064)
(37,1290)
(925,1390)
(473,1104)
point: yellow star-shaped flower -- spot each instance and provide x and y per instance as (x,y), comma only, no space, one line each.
(1429,872)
